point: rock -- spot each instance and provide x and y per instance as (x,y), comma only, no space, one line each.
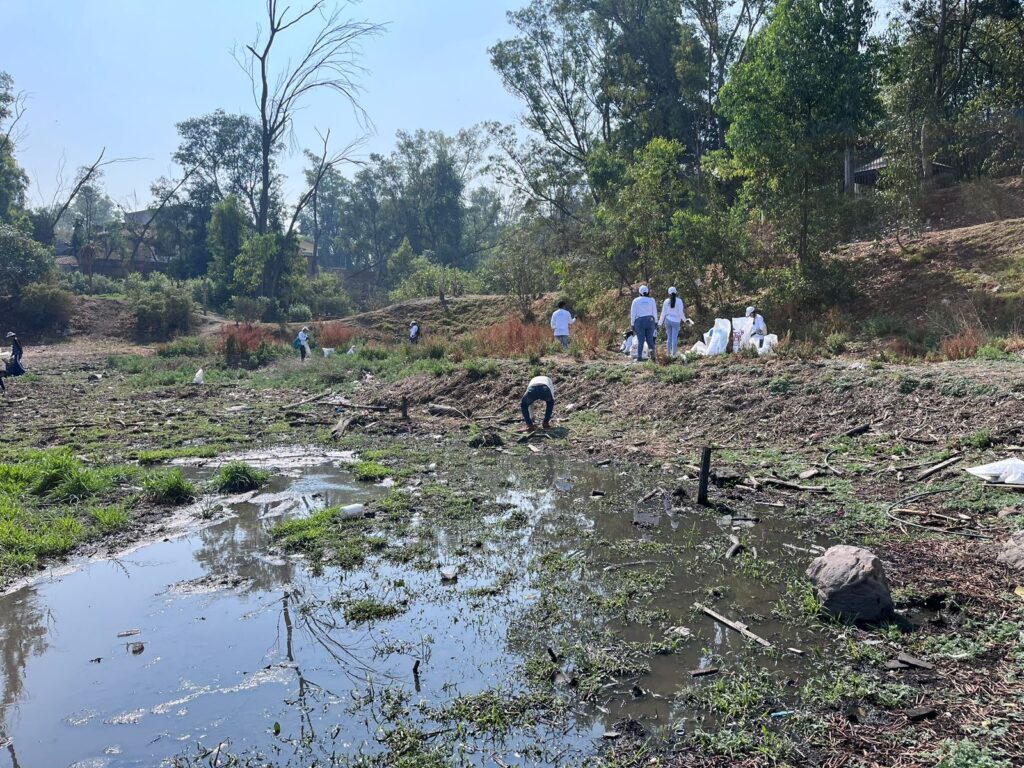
(95,377)
(1012,553)
(851,584)
(917,714)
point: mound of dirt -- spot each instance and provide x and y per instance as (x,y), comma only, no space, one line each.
(102,318)
(456,316)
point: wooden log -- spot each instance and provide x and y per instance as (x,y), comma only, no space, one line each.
(794,486)
(913,661)
(704,671)
(734,625)
(860,429)
(939,467)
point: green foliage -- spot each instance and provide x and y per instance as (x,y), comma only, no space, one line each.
(22,261)
(238,477)
(110,519)
(835,343)
(225,235)
(979,440)
(299,313)
(370,471)
(162,308)
(45,305)
(426,278)
(168,488)
(184,346)
(677,374)
(269,266)
(367,610)
(966,754)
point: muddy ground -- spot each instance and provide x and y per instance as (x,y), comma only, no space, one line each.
(860,432)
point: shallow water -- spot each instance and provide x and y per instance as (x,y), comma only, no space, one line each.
(235,640)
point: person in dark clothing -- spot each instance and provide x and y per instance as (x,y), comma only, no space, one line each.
(13,365)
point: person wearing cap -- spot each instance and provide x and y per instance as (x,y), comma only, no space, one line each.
(561,319)
(414,332)
(759,329)
(303,343)
(13,365)
(673,315)
(643,316)
(539,388)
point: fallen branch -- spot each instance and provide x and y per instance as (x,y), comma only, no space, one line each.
(914,497)
(616,566)
(793,486)
(346,404)
(735,625)
(939,467)
(860,429)
(308,400)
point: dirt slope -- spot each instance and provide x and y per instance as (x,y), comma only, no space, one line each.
(458,315)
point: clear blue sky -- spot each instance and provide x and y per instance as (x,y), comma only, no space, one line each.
(121,73)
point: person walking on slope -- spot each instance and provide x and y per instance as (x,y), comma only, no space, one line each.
(539,388)
(643,316)
(414,332)
(561,319)
(673,315)
(13,366)
(302,343)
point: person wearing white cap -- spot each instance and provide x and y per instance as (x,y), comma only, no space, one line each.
(414,332)
(643,316)
(759,329)
(673,315)
(303,343)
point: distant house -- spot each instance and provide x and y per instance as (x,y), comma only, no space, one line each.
(868,174)
(308,250)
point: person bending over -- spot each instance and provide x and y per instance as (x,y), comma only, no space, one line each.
(539,388)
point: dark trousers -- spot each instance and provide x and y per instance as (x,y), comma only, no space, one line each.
(533,394)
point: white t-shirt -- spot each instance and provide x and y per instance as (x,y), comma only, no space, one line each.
(561,319)
(643,306)
(414,331)
(760,328)
(676,313)
(303,337)
(542,381)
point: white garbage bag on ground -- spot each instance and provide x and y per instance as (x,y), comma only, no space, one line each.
(1010,471)
(768,344)
(199,378)
(328,351)
(716,340)
(742,327)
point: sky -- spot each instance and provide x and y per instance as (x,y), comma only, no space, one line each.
(120,74)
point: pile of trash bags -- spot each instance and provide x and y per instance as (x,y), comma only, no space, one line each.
(739,332)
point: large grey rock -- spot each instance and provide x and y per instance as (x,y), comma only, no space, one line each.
(1012,553)
(851,584)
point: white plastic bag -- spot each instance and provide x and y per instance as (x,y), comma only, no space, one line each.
(328,351)
(742,327)
(199,378)
(768,345)
(1006,471)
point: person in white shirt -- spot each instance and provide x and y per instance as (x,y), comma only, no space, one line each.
(561,319)
(539,388)
(628,342)
(303,339)
(760,328)
(643,316)
(414,332)
(673,315)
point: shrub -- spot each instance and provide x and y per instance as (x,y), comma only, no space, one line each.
(993,352)
(677,374)
(481,369)
(336,335)
(249,346)
(239,477)
(22,260)
(980,440)
(966,754)
(299,313)
(781,385)
(110,519)
(45,305)
(835,343)
(514,338)
(168,488)
(963,345)
(907,384)
(162,309)
(883,325)
(184,346)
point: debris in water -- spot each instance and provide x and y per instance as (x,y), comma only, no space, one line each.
(136,648)
(680,632)
(704,671)
(611,735)
(129,633)
(449,572)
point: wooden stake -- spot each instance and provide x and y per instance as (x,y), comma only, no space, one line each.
(939,467)
(705,475)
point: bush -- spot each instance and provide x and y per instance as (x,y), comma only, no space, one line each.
(99,284)
(335,335)
(963,345)
(239,477)
(299,313)
(184,346)
(22,261)
(835,343)
(162,309)
(249,346)
(481,369)
(45,305)
(370,471)
(513,338)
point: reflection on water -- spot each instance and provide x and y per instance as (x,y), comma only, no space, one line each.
(243,648)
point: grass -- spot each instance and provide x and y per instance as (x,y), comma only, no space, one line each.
(161,455)
(168,488)
(367,610)
(239,477)
(324,537)
(370,471)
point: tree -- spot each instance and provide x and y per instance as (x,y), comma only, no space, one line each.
(22,261)
(327,63)
(803,95)
(13,181)
(268,266)
(521,265)
(225,237)
(92,207)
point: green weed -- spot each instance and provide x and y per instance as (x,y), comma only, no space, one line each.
(239,477)
(168,488)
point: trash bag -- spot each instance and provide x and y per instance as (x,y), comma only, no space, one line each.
(742,327)
(1009,471)
(716,341)
(328,351)
(199,378)
(768,345)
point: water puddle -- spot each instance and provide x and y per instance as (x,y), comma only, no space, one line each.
(214,638)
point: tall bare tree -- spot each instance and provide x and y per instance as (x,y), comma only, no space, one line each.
(329,63)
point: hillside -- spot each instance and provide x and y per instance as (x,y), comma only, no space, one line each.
(458,315)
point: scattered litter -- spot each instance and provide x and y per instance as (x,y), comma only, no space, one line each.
(767,507)
(611,735)
(449,572)
(1006,472)
(913,661)
(680,632)
(129,633)
(564,678)
(596,494)
(199,378)
(328,351)
(894,665)
(735,625)
(95,377)
(797,651)
(1019,591)
(704,671)
(783,713)
(136,648)
(807,474)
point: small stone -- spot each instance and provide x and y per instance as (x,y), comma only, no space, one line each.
(916,714)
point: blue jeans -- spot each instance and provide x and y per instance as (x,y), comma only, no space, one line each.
(672,326)
(644,328)
(533,394)
(563,340)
